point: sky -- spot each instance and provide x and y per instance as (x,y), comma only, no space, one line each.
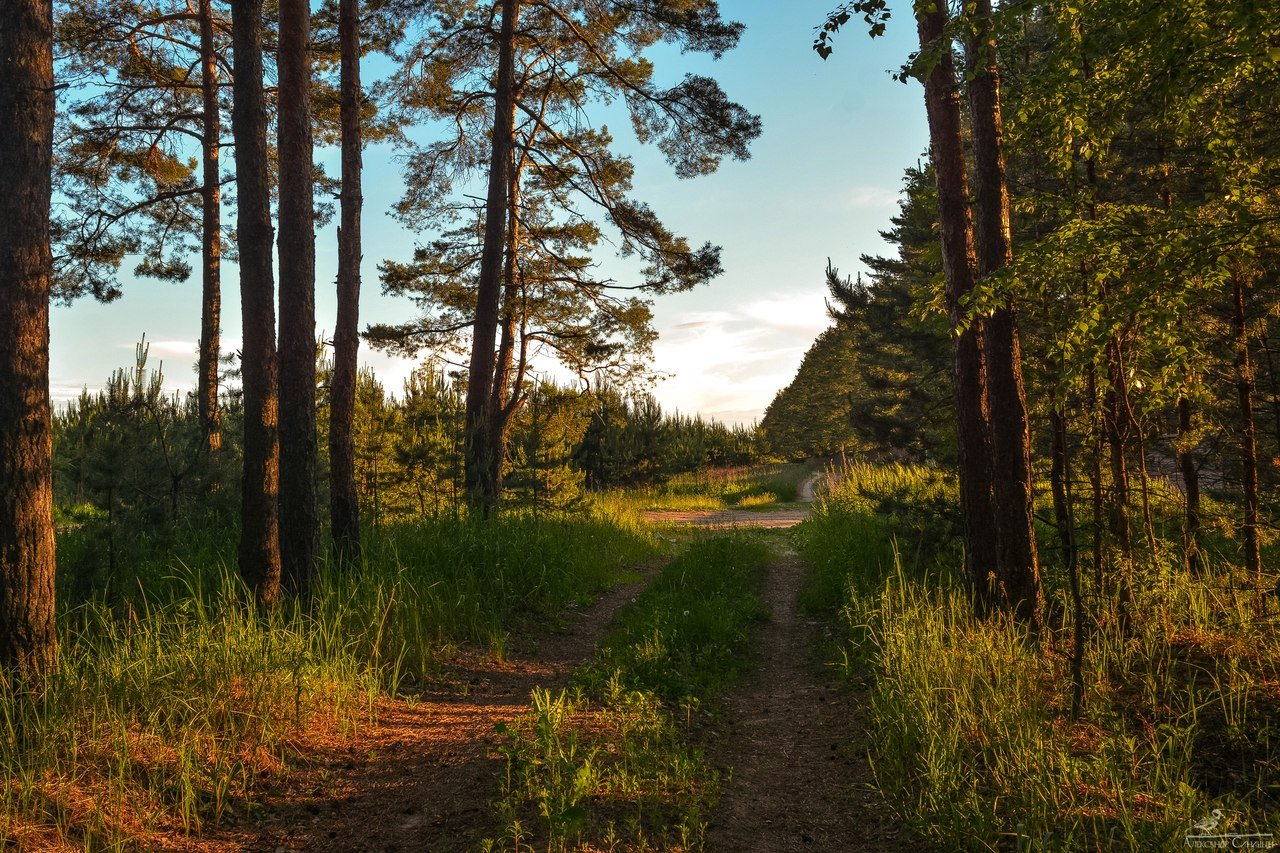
(822,182)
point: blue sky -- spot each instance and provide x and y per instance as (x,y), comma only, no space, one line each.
(822,182)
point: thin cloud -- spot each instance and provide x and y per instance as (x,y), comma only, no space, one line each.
(729,365)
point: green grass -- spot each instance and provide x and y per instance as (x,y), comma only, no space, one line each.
(974,741)
(611,764)
(177,698)
(710,490)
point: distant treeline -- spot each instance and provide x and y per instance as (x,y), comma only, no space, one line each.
(129,455)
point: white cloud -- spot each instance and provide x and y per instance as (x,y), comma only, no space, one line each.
(729,364)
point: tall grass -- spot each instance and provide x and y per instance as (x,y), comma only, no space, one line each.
(974,740)
(178,698)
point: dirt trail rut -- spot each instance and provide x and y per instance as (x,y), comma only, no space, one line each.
(799,776)
(423,777)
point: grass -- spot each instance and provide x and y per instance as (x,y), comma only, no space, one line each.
(611,764)
(716,489)
(975,745)
(177,699)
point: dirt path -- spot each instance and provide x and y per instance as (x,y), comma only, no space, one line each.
(423,777)
(778,518)
(796,749)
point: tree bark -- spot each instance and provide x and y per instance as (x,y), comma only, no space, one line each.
(1190,485)
(480,452)
(1118,436)
(942,104)
(1248,434)
(211,236)
(1018,567)
(1059,475)
(1064,515)
(259,552)
(298,533)
(344,506)
(28,642)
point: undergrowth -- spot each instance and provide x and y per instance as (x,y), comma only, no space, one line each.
(610,764)
(177,698)
(975,745)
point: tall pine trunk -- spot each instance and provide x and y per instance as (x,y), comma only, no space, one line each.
(1064,516)
(298,533)
(28,642)
(259,552)
(211,236)
(344,506)
(480,453)
(1018,567)
(1248,434)
(1118,435)
(508,375)
(1190,485)
(942,104)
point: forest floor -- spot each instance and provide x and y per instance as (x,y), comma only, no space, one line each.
(424,776)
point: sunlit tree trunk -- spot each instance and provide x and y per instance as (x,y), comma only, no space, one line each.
(506,381)
(344,505)
(480,452)
(298,532)
(211,237)
(259,552)
(942,104)
(1018,566)
(28,643)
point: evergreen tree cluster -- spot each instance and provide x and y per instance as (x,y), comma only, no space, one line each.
(877,381)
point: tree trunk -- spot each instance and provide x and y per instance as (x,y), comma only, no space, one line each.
(259,507)
(1064,515)
(28,642)
(1095,475)
(1248,436)
(1190,485)
(1118,433)
(211,236)
(1018,567)
(479,461)
(344,506)
(959,264)
(1059,475)
(508,375)
(297,238)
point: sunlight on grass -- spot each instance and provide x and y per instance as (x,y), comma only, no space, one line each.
(974,742)
(711,490)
